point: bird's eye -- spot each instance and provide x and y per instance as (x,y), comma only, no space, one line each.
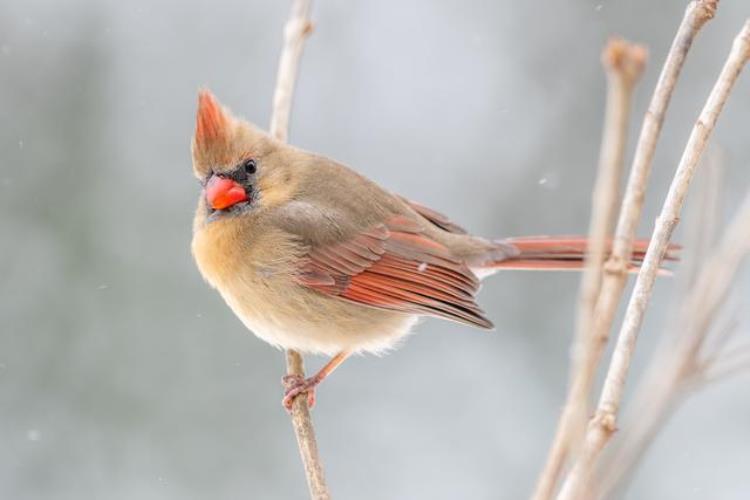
(249,166)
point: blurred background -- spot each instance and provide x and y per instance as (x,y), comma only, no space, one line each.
(122,375)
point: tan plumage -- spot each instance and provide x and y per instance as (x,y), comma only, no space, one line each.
(312,256)
(304,200)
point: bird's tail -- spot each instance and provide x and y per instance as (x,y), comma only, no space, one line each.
(558,253)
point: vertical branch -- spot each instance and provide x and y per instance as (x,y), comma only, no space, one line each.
(613,281)
(681,365)
(305,432)
(296,31)
(697,14)
(603,424)
(298,27)
(623,64)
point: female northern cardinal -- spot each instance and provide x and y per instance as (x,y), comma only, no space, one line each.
(313,256)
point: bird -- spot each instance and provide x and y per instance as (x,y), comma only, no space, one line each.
(311,255)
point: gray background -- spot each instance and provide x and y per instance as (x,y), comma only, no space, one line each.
(122,375)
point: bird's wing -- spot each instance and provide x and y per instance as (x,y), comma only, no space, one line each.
(435,217)
(395,266)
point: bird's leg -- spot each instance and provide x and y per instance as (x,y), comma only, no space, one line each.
(296,385)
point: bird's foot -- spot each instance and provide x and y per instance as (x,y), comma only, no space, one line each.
(295,385)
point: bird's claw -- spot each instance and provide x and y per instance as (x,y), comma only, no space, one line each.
(295,385)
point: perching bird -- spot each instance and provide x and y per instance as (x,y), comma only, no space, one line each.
(313,256)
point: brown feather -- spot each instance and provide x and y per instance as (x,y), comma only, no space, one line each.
(325,260)
(407,271)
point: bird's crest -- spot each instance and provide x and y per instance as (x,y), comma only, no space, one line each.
(213,122)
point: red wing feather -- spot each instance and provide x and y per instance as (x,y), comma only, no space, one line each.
(395,266)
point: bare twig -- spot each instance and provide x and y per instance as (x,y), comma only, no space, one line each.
(623,63)
(614,278)
(696,15)
(297,28)
(679,367)
(296,31)
(603,424)
(305,432)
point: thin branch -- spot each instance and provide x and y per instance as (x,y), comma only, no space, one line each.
(296,31)
(603,424)
(698,12)
(623,63)
(615,277)
(305,432)
(696,15)
(657,394)
(613,282)
(677,369)
(655,413)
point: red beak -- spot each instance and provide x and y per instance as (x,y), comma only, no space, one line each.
(222,193)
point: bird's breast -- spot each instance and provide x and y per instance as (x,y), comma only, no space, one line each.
(255,274)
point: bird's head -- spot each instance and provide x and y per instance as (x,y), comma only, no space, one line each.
(234,160)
